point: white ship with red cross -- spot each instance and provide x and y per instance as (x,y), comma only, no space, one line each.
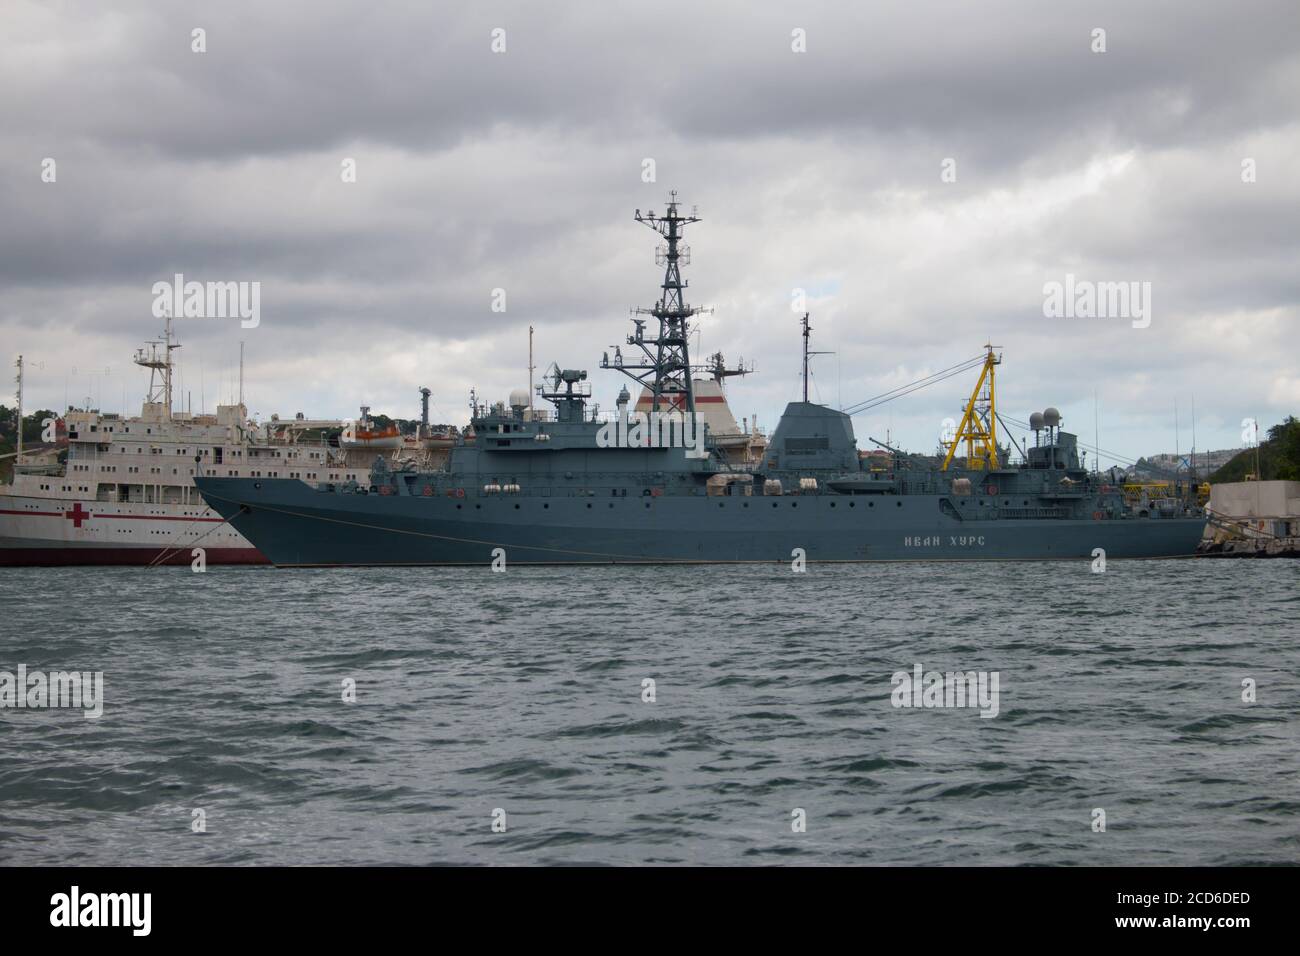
(125,493)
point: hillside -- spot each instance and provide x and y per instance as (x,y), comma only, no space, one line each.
(1279,456)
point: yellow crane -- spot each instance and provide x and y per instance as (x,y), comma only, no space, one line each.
(978,428)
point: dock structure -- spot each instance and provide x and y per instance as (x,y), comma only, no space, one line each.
(1253,519)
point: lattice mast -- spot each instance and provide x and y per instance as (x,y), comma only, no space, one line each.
(666,364)
(157,357)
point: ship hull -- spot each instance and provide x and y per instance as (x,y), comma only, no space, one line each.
(51,532)
(295,525)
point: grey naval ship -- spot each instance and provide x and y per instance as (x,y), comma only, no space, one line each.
(654,485)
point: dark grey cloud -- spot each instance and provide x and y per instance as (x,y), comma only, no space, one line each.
(521,171)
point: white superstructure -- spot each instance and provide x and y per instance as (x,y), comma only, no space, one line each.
(126,495)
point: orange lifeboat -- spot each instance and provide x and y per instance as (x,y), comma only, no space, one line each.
(364,436)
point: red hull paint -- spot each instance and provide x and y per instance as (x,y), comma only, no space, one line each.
(55,557)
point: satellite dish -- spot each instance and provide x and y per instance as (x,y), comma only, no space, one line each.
(1051,417)
(1036,421)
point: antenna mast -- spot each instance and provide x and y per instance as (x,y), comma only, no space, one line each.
(666,368)
(18,459)
(157,357)
(806,329)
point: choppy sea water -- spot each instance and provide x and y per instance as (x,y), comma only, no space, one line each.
(523,692)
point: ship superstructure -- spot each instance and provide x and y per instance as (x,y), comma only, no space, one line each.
(125,494)
(654,483)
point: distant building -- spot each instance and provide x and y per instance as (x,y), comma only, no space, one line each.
(1166,465)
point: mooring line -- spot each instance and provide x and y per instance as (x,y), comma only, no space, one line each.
(164,553)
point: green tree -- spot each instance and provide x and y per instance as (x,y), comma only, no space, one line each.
(1285,437)
(1278,456)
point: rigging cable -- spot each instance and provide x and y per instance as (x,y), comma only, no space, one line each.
(911,387)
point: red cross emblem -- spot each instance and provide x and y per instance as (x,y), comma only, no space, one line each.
(77,515)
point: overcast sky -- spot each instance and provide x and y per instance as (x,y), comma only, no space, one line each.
(520,170)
